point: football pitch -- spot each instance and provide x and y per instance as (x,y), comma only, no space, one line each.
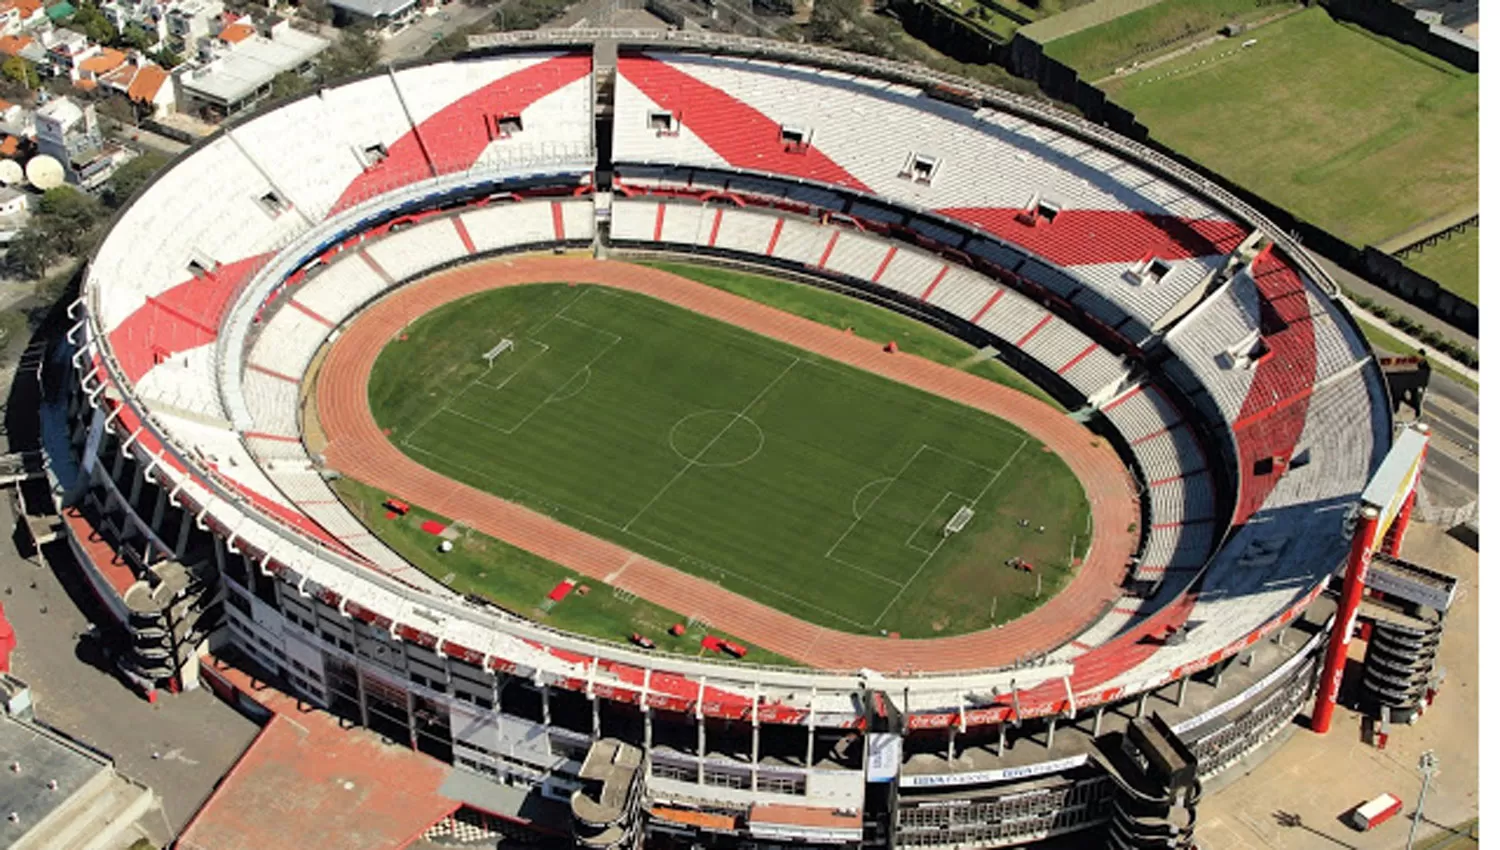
(802,483)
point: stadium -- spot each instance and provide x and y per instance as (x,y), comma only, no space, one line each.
(447,284)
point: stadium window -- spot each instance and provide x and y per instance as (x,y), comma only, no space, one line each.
(375,154)
(1047,211)
(1149,271)
(795,138)
(273,203)
(507,125)
(197,269)
(664,123)
(920,168)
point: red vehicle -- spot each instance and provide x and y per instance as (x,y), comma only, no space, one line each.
(1376,812)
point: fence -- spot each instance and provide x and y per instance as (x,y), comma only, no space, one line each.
(1392,20)
(1432,239)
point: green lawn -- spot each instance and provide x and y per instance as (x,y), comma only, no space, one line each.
(1357,134)
(1453,262)
(1097,51)
(810,486)
(869,321)
(520,581)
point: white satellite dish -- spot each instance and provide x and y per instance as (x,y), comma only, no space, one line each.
(10,172)
(44,172)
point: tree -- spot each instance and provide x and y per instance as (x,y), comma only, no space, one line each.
(30,252)
(317,10)
(68,218)
(21,71)
(136,36)
(130,177)
(288,84)
(94,25)
(355,52)
(122,111)
(166,57)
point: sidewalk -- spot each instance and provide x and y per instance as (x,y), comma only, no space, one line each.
(1434,355)
(1351,282)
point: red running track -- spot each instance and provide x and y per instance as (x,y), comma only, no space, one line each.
(358,448)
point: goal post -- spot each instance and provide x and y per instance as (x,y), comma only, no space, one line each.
(957,522)
(500,348)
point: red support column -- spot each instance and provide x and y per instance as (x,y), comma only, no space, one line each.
(1343,625)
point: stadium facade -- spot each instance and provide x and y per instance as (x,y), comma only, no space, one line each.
(1195,337)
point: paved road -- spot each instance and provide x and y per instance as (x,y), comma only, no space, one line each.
(146,138)
(428,30)
(1452,411)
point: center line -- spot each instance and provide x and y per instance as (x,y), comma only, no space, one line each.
(703,451)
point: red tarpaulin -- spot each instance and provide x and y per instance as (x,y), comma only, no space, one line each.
(7,641)
(563,589)
(432,526)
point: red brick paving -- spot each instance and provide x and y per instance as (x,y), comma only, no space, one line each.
(307,782)
(358,448)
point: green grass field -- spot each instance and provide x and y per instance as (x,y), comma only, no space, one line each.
(520,581)
(1453,262)
(1097,51)
(1360,135)
(876,324)
(802,483)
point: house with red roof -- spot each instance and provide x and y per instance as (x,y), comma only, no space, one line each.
(19,15)
(146,84)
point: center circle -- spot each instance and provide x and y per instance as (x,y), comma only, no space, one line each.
(716,438)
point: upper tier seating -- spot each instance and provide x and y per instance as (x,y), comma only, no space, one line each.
(216,218)
(892,141)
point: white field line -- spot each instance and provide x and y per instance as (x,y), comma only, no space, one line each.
(939,547)
(860,517)
(710,444)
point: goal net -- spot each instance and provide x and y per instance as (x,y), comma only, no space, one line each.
(503,346)
(957,522)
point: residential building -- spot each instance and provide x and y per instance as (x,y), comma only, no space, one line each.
(377,14)
(189,21)
(66,51)
(96,66)
(19,15)
(148,15)
(15,212)
(236,74)
(147,85)
(24,46)
(71,134)
(16,120)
